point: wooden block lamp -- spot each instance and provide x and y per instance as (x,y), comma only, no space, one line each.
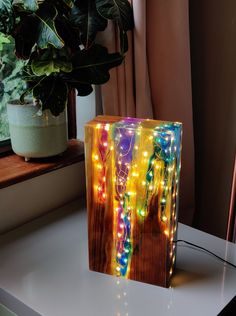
(132,172)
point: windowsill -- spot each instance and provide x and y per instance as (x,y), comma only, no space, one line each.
(13,169)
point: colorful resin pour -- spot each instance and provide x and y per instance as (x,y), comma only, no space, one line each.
(133,167)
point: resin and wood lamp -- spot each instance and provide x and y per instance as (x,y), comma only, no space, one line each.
(132,172)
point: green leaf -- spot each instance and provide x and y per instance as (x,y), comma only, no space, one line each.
(47,63)
(84,15)
(47,30)
(25,38)
(92,66)
(7,16)
(68,33)
(30,5)
(118,10)
(3,40)
(52,92)
(69,3)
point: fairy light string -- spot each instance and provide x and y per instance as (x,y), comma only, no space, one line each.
(124,135)
(100,158)
(146,163)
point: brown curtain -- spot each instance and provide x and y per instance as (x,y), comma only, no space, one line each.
(155,79)
(213,43)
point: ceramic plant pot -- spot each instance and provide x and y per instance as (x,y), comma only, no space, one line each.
(34,135)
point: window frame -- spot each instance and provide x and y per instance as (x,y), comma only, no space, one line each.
(5,147)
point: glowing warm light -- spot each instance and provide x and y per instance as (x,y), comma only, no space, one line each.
(164,218)
(133,168)
(166,232)
(141,213)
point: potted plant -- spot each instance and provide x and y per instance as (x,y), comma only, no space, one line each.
(57,40)
(10,82)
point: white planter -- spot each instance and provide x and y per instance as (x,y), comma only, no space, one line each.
(33,135)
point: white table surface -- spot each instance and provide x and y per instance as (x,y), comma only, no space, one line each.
(45,265)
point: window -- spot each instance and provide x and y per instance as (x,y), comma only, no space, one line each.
(11,83)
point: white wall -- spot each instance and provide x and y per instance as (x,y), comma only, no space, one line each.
(85,111)
(26,200)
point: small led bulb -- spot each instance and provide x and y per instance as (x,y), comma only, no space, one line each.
(141,212)
(164,218)
(166,232)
